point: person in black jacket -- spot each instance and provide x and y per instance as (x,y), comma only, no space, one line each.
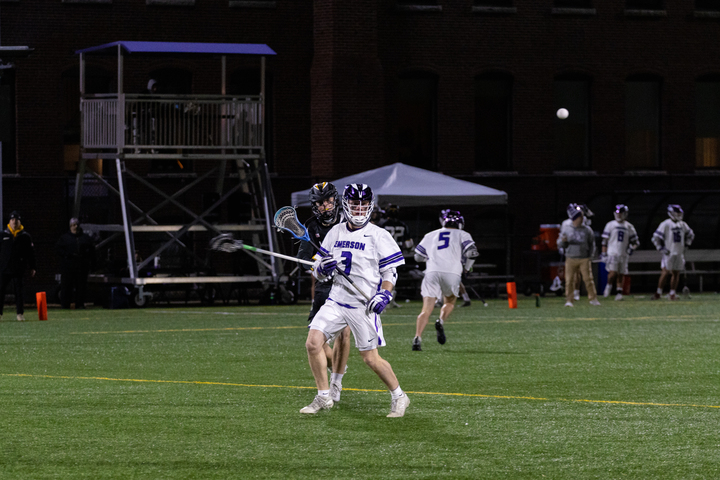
(77,253)
(327,211)
(17,253)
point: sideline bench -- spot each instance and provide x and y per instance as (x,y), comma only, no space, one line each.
(692,257)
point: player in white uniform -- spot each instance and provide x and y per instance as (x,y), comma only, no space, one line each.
(672,237)
(619,241)
(446,252)
(369,255)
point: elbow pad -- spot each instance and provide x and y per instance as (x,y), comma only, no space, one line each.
(470,251)
(389,275)
(420,258)
(658,242)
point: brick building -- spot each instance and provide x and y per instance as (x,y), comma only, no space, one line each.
(465,87)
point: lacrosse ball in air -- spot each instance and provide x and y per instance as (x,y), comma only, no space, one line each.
(562,113)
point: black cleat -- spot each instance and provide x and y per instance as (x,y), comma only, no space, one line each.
(440,332)
(416,345)
(466,303)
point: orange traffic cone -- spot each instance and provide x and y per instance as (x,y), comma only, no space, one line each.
(512,294)
(41,300)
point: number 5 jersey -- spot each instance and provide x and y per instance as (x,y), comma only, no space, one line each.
(445,248)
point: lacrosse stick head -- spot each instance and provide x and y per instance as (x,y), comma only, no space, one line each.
(286,219)
(686,292)
(225,243)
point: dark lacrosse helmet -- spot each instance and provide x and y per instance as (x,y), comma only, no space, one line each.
(356,210)
(392,211)
(621,212)
(574,211)
(318,194)
(675,212)
(453,219)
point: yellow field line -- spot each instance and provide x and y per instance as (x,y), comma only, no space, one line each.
(449,394)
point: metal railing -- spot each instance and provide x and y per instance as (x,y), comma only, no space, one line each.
(152,122)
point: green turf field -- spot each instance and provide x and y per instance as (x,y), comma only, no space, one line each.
(626,390)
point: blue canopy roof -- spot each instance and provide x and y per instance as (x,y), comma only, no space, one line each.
(183,47)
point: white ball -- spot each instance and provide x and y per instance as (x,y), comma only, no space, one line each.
(562,113)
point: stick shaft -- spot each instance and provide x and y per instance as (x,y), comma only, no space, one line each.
(279,255)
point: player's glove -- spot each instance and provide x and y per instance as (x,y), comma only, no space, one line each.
(378,303)
(603,257)
(631,249)
(326,266)
(665,251)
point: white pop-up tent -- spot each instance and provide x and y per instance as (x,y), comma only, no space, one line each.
(408,186)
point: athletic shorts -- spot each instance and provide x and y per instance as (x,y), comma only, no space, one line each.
(440,284)
(617,263)
(674,262)
(333,317)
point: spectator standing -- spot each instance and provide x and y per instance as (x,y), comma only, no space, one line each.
(77,254)
(578,242)
(17,253)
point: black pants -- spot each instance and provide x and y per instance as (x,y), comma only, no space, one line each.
(322,292)
(17,280)
(73,280)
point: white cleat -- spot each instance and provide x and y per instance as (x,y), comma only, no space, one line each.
(618,297)
(398,406)
(319,403)
(335,390)
(606,292)
(576,295)
(569,304)
(595,302)
(21,317)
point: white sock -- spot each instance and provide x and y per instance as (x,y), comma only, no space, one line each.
(659,291)
(440,320)
(672,292)
(466,297)
(397,393)
(336,378)
(576,292)
(324,393)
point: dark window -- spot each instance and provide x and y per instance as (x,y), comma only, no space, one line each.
(493,3)
(644,4)
(707,123)
(572,134)
(417,130)
(573,3)
(493,122)
(417,2)
(707,5)
(642,123)
(7,120)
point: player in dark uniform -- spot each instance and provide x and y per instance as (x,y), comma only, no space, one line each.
(400,232)
(327,214)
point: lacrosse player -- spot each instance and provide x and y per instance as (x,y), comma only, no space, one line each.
(326,214)
(446,252)
(578,242)
(619,241)
(672,237)
(369,256)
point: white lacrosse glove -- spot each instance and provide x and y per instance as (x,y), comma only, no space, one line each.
(325,267)
(378,303)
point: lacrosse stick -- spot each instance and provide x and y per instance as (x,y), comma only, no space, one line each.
(686,289)
(286,219)
(226,243)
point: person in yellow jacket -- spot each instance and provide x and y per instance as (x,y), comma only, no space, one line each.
(17,253)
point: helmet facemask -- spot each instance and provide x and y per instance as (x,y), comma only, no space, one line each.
(675,212)
(621,212)
(358,203)
(322,196)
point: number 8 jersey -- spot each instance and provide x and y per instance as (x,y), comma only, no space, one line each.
(363,254)
(444,249)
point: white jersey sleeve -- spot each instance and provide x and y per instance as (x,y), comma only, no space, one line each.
(363,255)
(444,249)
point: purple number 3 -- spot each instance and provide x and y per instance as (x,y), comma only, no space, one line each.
(347,256)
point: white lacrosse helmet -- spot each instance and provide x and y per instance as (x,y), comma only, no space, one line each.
(675,212)
(358,203)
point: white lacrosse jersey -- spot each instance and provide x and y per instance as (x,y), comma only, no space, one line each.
(444,249)
(363,254)
(675,236)
(619,235)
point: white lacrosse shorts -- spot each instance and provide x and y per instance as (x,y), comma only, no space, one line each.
(333,317)
(440,284)
(617,263)
(674,262)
